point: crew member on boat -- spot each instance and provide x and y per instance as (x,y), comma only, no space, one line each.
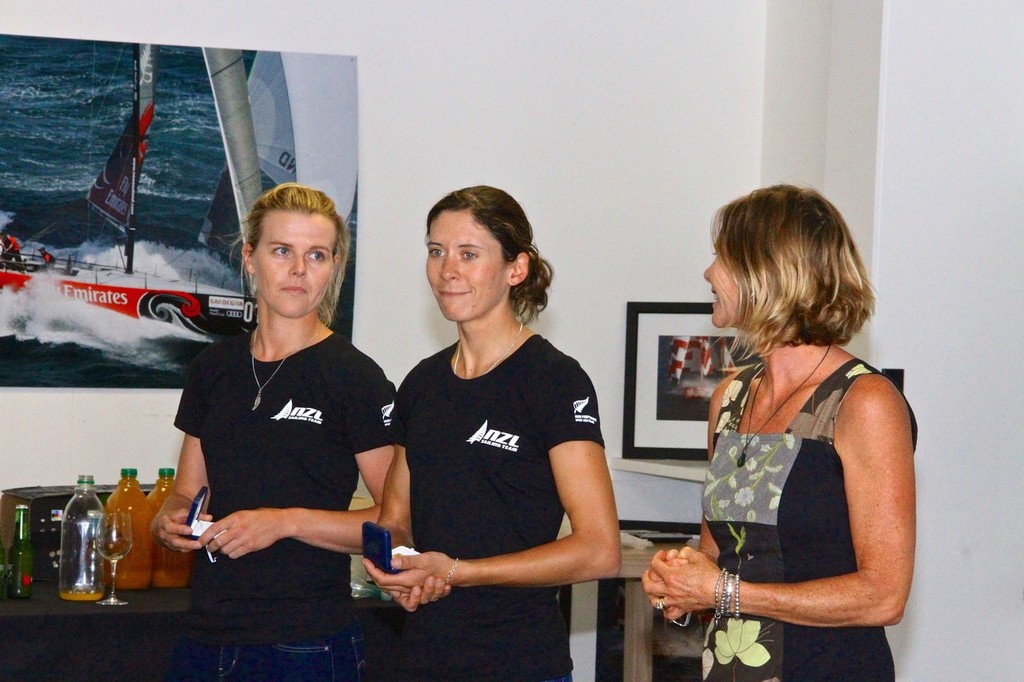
(10,249)
(48,259)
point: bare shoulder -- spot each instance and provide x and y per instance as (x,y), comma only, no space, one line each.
(871,394)
(875,410)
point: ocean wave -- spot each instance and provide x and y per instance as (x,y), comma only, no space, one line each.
(38,312)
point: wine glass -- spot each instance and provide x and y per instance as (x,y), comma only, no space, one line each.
(115,541)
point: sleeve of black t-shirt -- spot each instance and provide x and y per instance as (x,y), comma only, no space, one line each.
(369,400)
(193,404)
(564,403)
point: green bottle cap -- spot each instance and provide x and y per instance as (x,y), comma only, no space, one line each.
(167,472)
(84,479)
(130,473)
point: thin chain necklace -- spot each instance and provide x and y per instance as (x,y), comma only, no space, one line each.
(747,439)
(259,386)
(458,352)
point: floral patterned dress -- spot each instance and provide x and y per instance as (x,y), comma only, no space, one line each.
(782,517)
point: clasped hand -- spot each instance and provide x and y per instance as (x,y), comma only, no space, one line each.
(420,579)
(681,579)
(234,536)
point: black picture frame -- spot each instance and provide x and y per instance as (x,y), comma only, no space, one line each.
(657,425)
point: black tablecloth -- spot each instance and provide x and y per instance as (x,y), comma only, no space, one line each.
(46,638)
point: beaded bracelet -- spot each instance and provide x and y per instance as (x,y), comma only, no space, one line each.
(718,593)
(451,571)
(727,594)
(736,602)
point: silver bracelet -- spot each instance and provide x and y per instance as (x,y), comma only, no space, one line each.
(718,593)
(736,602)
(727,591)
(451,571)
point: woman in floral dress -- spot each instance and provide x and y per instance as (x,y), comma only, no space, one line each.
(807,543)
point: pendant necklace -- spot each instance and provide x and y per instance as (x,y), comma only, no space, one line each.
(259,392)
(747,439)
(259,386)
(458,352)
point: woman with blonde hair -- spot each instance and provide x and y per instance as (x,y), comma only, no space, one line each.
(280,425)
(807,544)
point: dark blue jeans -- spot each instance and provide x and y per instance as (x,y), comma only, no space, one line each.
(336,658)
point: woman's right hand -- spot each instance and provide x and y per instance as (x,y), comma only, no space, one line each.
(170,530)
(168,527)
(684,579)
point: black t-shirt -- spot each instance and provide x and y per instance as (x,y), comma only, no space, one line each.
(324,405)
(481,485)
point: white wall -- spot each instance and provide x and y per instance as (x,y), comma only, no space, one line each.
(948,260)
(619,131)
(796,92)
(622,127)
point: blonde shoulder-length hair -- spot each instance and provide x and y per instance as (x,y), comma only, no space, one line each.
(799,275)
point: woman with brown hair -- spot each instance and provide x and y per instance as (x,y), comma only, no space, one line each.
(497,437)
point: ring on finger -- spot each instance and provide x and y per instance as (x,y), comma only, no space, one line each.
(660,604)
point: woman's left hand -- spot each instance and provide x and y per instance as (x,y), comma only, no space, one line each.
(683,580)
(243,532)
(420,580)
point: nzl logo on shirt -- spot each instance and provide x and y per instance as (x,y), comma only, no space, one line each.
(577,408)
(385,413)
(495,438)
(302,414)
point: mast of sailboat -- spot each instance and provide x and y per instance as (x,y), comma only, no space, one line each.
(113,193)
(231,97)
(129,229)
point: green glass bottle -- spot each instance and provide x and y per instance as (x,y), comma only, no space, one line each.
(19,557)
(3,570)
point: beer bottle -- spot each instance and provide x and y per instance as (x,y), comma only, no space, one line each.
(3,570)
(20,557)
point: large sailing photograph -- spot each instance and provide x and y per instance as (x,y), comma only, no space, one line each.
(126,174)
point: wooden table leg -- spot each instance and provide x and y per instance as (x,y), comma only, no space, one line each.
(639,629)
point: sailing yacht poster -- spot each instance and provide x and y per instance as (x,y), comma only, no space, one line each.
(126,173)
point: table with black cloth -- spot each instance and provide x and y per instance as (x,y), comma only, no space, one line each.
(47,638)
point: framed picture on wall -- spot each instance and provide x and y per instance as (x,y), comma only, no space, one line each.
(674,360)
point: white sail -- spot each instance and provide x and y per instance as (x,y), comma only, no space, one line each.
(272,117)
(231,97)
(322,92)
(304,118)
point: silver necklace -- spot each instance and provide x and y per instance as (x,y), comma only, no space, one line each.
(747,439)
(458,353)
(260,387)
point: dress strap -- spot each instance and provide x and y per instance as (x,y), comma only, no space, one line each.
(735,398)
(817,418)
